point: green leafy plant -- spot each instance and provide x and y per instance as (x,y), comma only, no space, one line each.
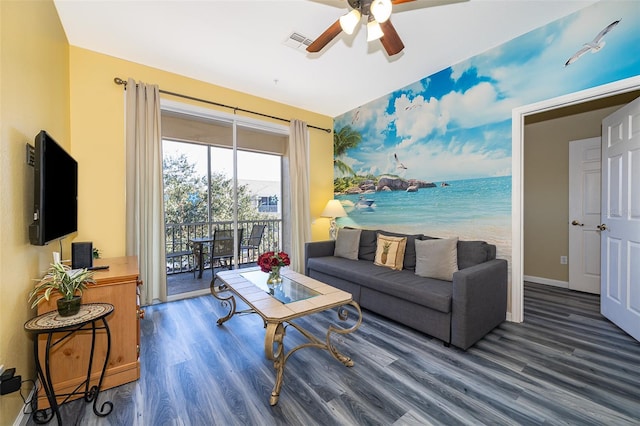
(62,280)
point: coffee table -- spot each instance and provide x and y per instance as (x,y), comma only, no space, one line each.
(278,305)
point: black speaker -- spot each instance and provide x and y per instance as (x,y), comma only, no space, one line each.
(81,255)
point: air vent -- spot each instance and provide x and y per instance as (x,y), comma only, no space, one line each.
(298,41)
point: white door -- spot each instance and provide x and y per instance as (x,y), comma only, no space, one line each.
(584,214)
(620,292)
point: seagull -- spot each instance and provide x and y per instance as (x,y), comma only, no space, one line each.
(356,116)
(400,165)
(594,46)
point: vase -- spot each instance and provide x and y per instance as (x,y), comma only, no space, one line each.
(69,307)
(274,276)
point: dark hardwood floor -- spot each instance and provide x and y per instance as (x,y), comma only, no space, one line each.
(565,364)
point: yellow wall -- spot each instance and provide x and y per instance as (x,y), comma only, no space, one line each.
(34,95)
(97,131)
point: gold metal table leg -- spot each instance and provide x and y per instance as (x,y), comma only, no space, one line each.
(229,300)
(274,350)
(274,346)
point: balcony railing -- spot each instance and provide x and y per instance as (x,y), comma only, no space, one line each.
(180,254)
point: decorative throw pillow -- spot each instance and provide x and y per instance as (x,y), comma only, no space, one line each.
(347,243)
(409,261)
(390,251)
(437,258)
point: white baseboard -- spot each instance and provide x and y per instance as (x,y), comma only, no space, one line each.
(23,418)
(546,281)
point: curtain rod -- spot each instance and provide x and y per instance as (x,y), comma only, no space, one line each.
(122,82)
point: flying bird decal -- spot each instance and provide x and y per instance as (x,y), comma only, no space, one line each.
(594,46)
(400,165)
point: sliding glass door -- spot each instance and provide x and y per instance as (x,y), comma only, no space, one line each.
(221,181)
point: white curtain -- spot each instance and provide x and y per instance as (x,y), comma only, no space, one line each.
(144,197)
(299,192)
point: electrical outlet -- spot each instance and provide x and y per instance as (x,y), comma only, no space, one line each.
(563,260)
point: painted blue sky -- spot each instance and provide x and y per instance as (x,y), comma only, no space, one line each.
(456,124)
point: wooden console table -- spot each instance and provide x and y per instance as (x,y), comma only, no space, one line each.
(117,286)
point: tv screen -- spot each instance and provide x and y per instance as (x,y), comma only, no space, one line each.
(55,199)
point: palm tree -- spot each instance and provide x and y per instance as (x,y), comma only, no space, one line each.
(344,140)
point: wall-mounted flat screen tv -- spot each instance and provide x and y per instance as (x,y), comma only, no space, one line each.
(55,198)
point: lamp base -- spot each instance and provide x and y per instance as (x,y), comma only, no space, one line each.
(333,229)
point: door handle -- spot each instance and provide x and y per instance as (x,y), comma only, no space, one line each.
(576,223)
(602,227)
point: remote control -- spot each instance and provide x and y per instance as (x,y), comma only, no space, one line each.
(95,268)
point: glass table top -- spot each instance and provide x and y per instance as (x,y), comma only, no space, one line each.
(286,292)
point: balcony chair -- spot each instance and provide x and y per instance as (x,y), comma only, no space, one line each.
(222,248)
(253,243)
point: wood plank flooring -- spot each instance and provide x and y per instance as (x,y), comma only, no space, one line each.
(565,365)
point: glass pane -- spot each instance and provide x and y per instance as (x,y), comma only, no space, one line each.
(286,292)
(199,196)
(260,179)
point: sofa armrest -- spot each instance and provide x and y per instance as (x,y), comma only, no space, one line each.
(479,301)
(317,249)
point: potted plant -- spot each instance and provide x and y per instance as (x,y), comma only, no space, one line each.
(66,282)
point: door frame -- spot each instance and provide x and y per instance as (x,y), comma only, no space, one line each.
(517,177)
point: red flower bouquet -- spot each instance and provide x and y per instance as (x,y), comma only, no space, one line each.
(270,260)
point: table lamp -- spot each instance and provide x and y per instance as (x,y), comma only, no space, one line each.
(333,210)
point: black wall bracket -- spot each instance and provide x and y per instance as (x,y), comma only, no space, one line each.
(31,155)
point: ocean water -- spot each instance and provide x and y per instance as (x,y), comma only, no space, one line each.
(469,209)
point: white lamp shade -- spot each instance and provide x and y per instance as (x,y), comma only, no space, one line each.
(374,32)
(333,209)
(349,21)
(381,10)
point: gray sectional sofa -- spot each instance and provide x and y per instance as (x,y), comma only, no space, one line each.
(459,311)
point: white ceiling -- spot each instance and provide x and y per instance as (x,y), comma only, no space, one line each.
(240,44)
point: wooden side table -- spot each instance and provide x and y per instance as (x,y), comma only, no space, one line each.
(92,317)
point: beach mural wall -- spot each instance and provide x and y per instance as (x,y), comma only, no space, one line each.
(434,157)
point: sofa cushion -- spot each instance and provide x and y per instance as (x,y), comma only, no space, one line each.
(390,251)
(471,253)
(347,243)
(347,269)
(437,258)
(431,293)
(367,249)
(409,261)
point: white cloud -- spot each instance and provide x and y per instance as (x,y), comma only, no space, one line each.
(405,143)
(477,106)
(417,118)
(459,69)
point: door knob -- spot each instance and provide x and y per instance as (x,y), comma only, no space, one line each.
(602,227)
(576,223)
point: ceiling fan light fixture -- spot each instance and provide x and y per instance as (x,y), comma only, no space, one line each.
(349,21)
(381,10)
(374,32)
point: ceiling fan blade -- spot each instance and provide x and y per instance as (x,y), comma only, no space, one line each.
(326,37)
(406,5)
(390,40)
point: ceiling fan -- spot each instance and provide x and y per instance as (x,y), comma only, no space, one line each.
(379,25)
